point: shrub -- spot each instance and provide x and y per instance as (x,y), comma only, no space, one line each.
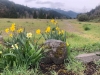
(82,17)
(86,27)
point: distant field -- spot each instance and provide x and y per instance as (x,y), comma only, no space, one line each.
(77,35)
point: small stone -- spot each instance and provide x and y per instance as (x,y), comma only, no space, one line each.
(1,40)
(89,57)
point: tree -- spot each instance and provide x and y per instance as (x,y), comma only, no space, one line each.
(13,13)
(35,15)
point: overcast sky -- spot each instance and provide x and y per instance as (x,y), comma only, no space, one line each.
(75,5)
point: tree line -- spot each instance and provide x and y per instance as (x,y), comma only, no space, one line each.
(9,9)
(91,15)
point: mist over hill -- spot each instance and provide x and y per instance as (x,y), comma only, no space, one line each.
(70,14)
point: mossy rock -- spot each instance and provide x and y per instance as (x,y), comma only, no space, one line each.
(55,51)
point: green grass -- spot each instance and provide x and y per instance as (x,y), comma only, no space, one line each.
(81,37)
(76,39)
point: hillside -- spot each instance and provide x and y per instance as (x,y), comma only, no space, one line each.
(69,14)
(9,9)
(94,13)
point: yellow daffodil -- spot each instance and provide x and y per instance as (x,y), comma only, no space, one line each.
(11,35)
(29,35)
(13,25)
(38,31)
(15,46)
(55,22)
(62,31)
(48,29)
(0,52)
(59,32)
(52,21)
(12,28)
(57,28)
(7,30)
(20,30)
(67,44)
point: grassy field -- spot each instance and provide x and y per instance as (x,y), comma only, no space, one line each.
(77,35)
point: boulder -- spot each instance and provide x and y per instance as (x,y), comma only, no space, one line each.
(54,51)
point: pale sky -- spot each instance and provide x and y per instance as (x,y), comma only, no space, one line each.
(74,5)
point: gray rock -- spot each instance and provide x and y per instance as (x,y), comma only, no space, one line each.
(1,40)
(54,51)
(89,57)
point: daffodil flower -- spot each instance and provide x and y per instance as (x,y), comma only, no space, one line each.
(20,30)
(29,35)
(59,32)
(11,35)
(15,46)
(0,52)
(38,31)
(55,22)
(52,21)
(12,28)
(62,31)
(48,29)
(7,30)
(13,25)
(67,44)
(57,28)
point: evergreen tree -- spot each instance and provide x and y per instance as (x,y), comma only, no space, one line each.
(13,13)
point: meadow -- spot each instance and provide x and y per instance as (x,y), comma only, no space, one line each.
(83,37)
(77,35)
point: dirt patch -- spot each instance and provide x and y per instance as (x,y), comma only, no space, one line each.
(91,68)
(72,28)
(59,69)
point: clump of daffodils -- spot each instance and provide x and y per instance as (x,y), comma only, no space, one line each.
(12,29)
(23,49)
(17,35)
(53,32)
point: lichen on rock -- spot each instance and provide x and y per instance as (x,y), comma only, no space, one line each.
(54,51)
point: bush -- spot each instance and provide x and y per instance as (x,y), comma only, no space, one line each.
(82,17)
(86,27)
